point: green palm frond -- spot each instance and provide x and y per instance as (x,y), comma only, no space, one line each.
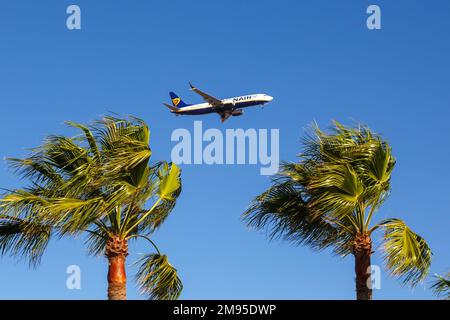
(406,254)
(335,190)
(64,154)
(96,241)
(342,145)
(157,278)
(441,286)
(170,181)
(69,214)
(376,172)
(36,169)
(124,143)
(282,211)
(25,239)
(22,204)
(159,214)
(380,163)
(89,138)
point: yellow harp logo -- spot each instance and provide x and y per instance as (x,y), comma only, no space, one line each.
(175,101)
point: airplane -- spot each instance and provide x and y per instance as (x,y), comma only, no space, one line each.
(224,107)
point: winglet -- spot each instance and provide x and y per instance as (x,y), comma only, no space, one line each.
(190,85)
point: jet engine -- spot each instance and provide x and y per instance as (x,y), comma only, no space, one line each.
(237,112)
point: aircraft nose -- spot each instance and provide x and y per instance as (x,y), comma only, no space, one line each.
(269,98)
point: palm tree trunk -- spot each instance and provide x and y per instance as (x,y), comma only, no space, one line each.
(117,278)
(362,250)
(116,253)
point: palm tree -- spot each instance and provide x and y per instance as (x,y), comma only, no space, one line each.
(329,199)
(441,285)
(97,183)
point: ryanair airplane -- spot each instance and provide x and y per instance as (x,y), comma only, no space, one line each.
(225,107)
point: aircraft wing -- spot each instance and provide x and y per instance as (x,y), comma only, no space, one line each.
(210,99)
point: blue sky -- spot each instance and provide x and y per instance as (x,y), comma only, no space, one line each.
(316,58)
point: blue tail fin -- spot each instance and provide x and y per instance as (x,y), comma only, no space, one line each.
(176,100)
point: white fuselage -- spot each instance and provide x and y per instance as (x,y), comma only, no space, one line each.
(227,104)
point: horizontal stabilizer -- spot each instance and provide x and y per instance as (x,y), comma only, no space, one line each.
(172,108)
